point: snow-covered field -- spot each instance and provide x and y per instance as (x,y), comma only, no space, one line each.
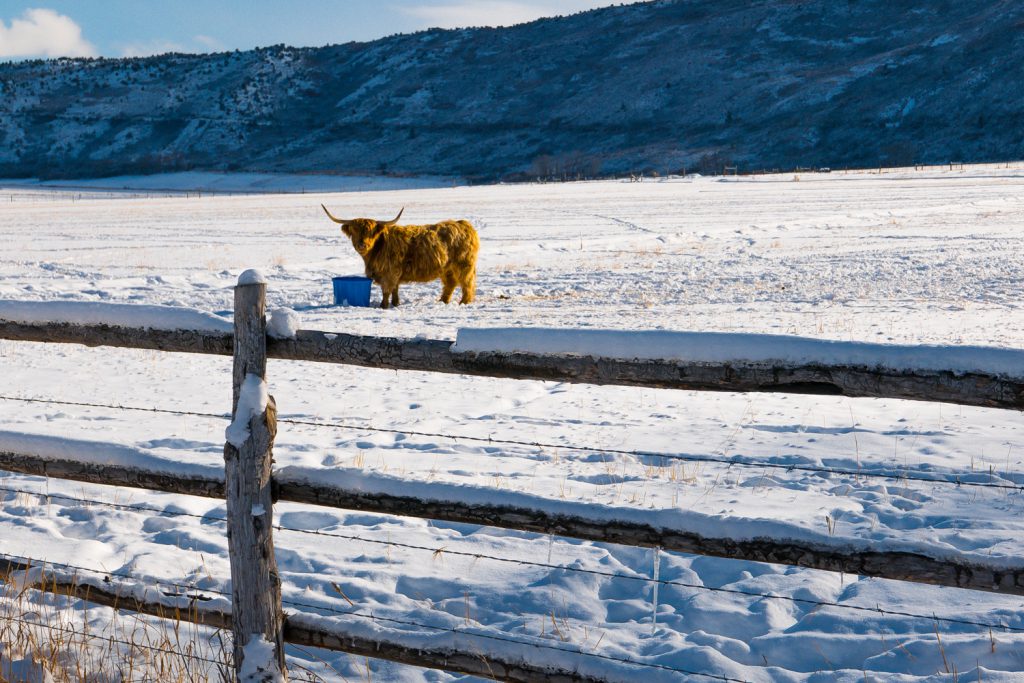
(197,182)
(908,257)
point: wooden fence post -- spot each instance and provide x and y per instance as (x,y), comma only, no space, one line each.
(257,615)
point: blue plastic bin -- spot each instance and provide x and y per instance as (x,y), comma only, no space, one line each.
(351,290)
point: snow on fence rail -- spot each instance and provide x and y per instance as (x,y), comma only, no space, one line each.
(526,512)
(973,376)
(962,375)
(436,650)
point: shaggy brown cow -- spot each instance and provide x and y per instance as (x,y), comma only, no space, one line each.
(394,254)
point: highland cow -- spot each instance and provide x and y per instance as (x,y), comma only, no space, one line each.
(394,254)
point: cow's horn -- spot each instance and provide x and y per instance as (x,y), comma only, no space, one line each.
(395,219)
(336,220)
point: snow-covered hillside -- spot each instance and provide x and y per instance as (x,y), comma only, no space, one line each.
(651,86)
(931,256)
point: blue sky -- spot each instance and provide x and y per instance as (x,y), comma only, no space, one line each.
(119,28)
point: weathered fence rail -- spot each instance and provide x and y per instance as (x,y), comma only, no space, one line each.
(838,557)
(250,487)
(430,355)
(193,607)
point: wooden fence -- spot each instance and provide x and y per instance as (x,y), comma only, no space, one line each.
(250,488)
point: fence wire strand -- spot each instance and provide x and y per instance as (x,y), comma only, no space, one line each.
(443,550)
(378,618)
(111,639)
(448,629)
(952,479)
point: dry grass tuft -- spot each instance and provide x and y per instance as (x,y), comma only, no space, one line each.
(50,637)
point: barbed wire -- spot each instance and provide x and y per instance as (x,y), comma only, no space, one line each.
(505,639)
(953,478)
(722,460)
(394,620)
(121,575)
(443,550)
(114,406)
(111,639)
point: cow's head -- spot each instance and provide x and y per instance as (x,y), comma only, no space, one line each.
(363,232)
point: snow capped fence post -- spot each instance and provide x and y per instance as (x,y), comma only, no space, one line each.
(257,616)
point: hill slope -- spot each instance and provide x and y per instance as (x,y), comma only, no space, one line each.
(657,85)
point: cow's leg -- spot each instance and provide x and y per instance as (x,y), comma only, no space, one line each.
(468,284)
(389,293)
(448,283)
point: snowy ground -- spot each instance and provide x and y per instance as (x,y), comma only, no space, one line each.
(912,257)
(197,182)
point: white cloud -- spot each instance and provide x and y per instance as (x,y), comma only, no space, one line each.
(43,33)
(153,47)
(209,44)
(462,13)
(199,44)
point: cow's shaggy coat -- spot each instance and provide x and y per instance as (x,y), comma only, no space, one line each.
(394,254)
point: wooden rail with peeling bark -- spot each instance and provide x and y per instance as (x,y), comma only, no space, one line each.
(110,474)
(901,566)
(431,355)
(179,341)
(108,593)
